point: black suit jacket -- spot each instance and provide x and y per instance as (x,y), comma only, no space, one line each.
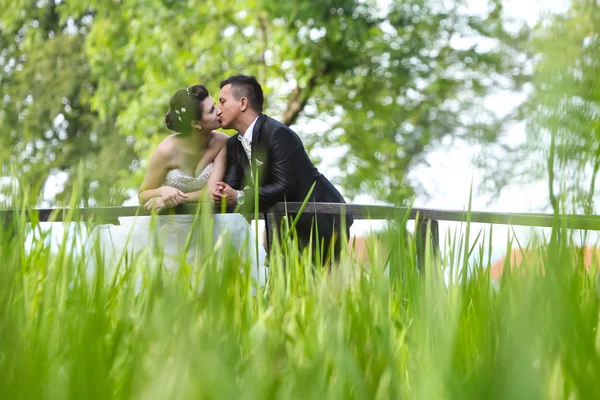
(280,162)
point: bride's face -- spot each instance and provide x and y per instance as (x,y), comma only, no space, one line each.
(210,117)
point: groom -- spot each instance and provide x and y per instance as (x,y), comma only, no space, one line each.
(275,154)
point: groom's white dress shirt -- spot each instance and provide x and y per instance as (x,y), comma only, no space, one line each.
(246,140)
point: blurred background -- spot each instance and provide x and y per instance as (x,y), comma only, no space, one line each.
(396,101)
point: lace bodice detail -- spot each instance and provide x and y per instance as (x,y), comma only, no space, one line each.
(186,183)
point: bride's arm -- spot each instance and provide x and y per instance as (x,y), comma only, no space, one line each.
(218,171)
(216,175)
(155,176)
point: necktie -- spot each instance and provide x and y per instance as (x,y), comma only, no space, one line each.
(247,145)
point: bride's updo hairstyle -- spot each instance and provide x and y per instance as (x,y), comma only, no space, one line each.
(185,106)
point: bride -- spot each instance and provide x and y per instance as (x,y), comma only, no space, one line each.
(184,168)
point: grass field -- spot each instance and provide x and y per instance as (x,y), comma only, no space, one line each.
(355,333)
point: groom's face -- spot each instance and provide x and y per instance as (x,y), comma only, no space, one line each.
(230,108)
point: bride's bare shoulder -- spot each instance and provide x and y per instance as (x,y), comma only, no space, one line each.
(219,139)
(167,147)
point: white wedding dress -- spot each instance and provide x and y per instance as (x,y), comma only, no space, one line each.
(135,235)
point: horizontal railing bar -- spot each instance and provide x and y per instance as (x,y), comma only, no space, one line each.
(96,214)
(571,221)
(110,214)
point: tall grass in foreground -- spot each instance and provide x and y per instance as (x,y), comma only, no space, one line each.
(356,332)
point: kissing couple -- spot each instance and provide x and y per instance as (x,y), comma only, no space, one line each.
(196,163)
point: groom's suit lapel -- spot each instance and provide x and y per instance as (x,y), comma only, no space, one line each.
(256,133)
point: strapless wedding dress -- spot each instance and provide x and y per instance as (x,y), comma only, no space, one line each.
(136,235)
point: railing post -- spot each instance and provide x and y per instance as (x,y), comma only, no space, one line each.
(6,224)
(269,223)
(272,226)
(423,227)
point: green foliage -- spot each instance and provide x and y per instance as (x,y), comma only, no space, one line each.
(389,83)
(47,120)
(562,143)
(566,101)
(420,86)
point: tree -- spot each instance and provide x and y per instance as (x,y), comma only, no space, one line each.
(390,82)
(46,117)
(422,85)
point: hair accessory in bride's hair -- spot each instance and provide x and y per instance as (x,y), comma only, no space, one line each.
(189,98)
(185,107)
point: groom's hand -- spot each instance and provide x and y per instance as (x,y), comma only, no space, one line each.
(224,191)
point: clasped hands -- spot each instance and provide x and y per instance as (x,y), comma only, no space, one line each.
(169,198)
(223,191)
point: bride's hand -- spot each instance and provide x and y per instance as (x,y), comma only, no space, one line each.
(155,204)
(172,197)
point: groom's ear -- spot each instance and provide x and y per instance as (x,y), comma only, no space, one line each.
(243,103)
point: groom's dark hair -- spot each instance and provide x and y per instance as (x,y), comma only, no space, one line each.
(248,87)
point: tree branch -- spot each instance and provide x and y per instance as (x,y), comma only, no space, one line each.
(301,95)
(550,166)
(263,34)
(589,204)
